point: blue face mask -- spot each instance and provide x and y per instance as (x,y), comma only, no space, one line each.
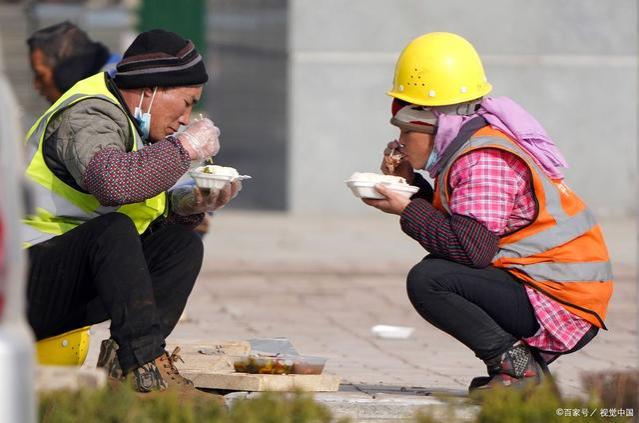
(144,119)
(432,159)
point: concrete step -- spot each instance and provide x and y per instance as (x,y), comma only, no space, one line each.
(51,378)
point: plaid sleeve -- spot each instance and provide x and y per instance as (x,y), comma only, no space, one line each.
(117,177)
(493,187)
(457,238)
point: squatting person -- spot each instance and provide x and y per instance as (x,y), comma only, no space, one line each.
(107,238)
(518,269)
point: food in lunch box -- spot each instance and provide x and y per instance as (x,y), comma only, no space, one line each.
(309,365)
(377,178)
(392,161)
(218,170)
(363,185)
(215,177)
(263,365)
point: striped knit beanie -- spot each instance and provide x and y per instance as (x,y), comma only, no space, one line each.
(159,58)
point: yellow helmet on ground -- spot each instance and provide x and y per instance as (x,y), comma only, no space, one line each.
(439,69)
(67,349)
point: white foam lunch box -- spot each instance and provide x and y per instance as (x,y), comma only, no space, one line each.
(216,180)
(366,189)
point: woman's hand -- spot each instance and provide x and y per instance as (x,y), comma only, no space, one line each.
(394,203)
(395,162)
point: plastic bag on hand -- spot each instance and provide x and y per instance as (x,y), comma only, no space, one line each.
(188,200)
(200,139)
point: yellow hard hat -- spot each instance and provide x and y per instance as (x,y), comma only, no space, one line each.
(67,349)
(438,69)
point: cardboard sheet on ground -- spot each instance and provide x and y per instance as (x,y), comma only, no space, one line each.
(209,364)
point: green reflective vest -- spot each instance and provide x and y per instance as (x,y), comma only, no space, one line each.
(58,207)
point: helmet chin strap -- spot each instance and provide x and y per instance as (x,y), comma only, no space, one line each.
(424,119)
(460,109)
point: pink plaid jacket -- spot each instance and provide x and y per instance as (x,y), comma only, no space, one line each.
(494,187)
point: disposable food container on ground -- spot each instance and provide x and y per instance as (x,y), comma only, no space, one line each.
(392,332)
(279,364)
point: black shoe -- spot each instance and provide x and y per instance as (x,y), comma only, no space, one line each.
(517,366)
(478,382)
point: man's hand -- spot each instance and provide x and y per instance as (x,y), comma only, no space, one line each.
(203,227)
(200,139)
(394,203)
(395,162)
(193,200)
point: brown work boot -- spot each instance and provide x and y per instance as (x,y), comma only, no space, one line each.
(170,373)
(157,375)
(108,359)
(145,378)
(176,382)
(161,374)
(515,367)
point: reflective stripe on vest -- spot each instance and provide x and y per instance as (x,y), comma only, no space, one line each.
(60,207)
(567,272)
(566,228)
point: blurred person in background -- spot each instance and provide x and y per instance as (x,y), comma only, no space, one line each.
(109,238)
(63,54)
(518,269)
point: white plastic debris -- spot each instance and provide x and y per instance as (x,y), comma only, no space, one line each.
(392,332)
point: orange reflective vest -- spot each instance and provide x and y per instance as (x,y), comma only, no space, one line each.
(562,253)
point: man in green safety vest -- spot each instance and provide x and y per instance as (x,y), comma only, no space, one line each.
(107,237)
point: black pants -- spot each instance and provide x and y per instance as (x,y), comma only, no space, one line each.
(487,309)
(104,270)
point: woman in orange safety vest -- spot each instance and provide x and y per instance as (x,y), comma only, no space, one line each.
(518,269)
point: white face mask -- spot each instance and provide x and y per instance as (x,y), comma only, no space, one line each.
(144,119)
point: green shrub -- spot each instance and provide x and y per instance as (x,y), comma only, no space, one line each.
(531,404)
(121,404)
(278,408)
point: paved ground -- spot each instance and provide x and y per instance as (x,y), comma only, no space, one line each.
(324,282)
